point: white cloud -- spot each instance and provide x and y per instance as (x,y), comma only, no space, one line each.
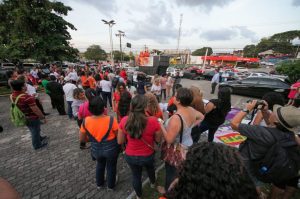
(208,4)
(219,35)
(104,6)
(157,25)
(224,34)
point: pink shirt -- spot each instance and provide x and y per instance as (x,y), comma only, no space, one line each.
(136,147)
(84,112)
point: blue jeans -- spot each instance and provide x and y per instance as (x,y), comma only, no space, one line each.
(70,113)
(171,174)
(106,154)
(136,164)
(35,130)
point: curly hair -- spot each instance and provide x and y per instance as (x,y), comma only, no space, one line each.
(213,170)
(152,104)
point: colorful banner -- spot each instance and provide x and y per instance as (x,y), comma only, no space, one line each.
(226,135)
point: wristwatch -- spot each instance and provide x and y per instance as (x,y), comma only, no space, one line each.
(246,110)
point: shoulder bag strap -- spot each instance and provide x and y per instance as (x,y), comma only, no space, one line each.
(181,128)
(151,147)
(86,131)
(111,120)
(17,98)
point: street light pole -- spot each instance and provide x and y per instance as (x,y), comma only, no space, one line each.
(110,24)
(120,35)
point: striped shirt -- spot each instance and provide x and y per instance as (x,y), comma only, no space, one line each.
(24,104)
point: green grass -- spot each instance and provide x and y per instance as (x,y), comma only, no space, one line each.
(150,193)
(4,90)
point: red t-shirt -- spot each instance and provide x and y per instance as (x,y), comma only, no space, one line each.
(24,103)
(136,147)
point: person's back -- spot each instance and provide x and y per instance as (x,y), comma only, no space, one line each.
(55,89)
(68,89)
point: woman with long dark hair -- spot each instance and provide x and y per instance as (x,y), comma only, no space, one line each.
(121,88)
(141,132)
(124,104)
(216,111)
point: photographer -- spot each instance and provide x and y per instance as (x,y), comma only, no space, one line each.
(271,98)
(280,133)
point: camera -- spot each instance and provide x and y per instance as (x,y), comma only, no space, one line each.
(259,104)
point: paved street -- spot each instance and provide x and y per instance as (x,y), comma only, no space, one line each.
(61,170)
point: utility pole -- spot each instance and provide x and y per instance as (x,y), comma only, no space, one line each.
(179,33)
(120,35)
(110,24)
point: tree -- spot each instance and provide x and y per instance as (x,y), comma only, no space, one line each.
(280,42)
(250,51)
(202,51)
(291,69)
(94,52)
(35,29)
(117,56)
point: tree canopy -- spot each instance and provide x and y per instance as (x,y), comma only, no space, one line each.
(125,57)
(290,68)
(35,29)
(202,51)
(280,42)
(95,52)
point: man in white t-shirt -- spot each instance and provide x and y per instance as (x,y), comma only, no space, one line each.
(68,90)
(72,75)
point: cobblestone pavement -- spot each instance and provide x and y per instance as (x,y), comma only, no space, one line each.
(61,170)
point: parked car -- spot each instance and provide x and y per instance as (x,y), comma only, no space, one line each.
(3,77)
(6,65)
(258,75)
(29,66)
(240,69)
(173,71)
(257,86)
(192,72)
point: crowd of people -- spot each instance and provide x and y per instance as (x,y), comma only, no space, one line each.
(113,118)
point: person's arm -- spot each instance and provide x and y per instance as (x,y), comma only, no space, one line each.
(236,121)
(121,136)
(209,107)
(199,116)
(82,137)
(37,111)
(172,130)
(258,118)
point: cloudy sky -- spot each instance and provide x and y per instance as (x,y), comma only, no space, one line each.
(221,24)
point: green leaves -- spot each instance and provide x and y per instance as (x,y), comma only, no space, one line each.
(36,30)
(280,43)
(201,51)
(290,68)
(94,52)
